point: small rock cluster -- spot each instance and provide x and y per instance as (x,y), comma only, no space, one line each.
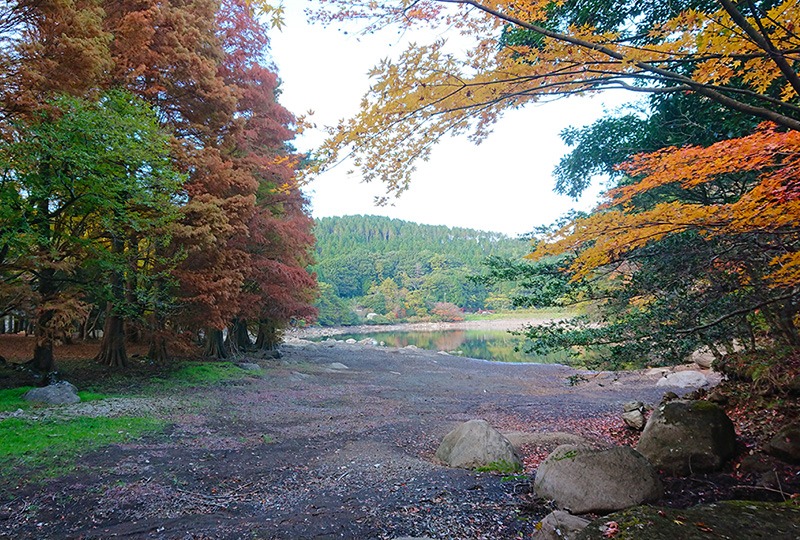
(680,437)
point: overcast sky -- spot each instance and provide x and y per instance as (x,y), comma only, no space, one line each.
(504,184)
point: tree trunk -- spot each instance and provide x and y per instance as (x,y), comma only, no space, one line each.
(238,336)
(215,345)
(43,360)
(268,336)
(112,347)
(158,340)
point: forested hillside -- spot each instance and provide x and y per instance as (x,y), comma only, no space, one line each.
(398,269)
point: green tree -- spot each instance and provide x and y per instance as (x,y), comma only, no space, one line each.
(80,176)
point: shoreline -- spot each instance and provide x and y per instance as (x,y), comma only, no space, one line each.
(515,323)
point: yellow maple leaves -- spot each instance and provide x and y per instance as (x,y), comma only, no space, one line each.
(432,91)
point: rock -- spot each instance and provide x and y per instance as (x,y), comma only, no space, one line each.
(296,376)
(785,445)
(633,406)
(350,341)
(248,366)
(684,379)
(688,436)
(581,479)
(59,393)
(634,419)
(338,366)
(559,525)
(703,357)
(633,414)
(411,347)
(736,520)
(476,444)
(368,342)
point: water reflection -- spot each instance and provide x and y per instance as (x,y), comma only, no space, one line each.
(495,345)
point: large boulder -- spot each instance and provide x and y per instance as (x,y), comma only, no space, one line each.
(59,393)
(476,444)
(684,379)
(559,525)
(582,479)
(785,445)
(685,436)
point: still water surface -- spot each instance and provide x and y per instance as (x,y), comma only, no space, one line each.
(495,345)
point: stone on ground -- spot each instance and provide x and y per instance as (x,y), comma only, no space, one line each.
(338,365)
(476,444)
(703,357)
(785,445)
(59,393)
(560,525)
(249,366)
(684,436)
(633,415)
(684,379)
(581,479)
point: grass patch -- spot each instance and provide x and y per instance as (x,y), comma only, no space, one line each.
(11,399)
(502,466)
(206,373)
(51,446)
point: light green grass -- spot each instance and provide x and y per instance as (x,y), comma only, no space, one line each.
(51,446)
(206,373)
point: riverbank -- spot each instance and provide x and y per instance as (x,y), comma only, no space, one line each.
(331,441)
(510,323)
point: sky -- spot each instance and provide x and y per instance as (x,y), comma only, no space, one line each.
(504,184)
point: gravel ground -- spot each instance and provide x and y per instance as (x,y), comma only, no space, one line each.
(314,450)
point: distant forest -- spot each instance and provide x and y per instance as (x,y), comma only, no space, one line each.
(376,269)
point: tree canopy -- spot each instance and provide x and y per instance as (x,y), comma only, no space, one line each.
(148,181)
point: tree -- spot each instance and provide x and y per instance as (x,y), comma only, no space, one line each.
(737,55)
(700,249)
(78,174)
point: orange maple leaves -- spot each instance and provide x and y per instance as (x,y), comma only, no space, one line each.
(771,204)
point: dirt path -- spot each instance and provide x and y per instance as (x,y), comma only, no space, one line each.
(312,451)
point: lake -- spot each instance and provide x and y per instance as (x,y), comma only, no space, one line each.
(495,345)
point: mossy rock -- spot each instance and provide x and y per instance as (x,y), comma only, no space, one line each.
(732,520)
(688,436)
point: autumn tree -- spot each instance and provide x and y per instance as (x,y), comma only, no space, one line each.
(277,286)
(181,260)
